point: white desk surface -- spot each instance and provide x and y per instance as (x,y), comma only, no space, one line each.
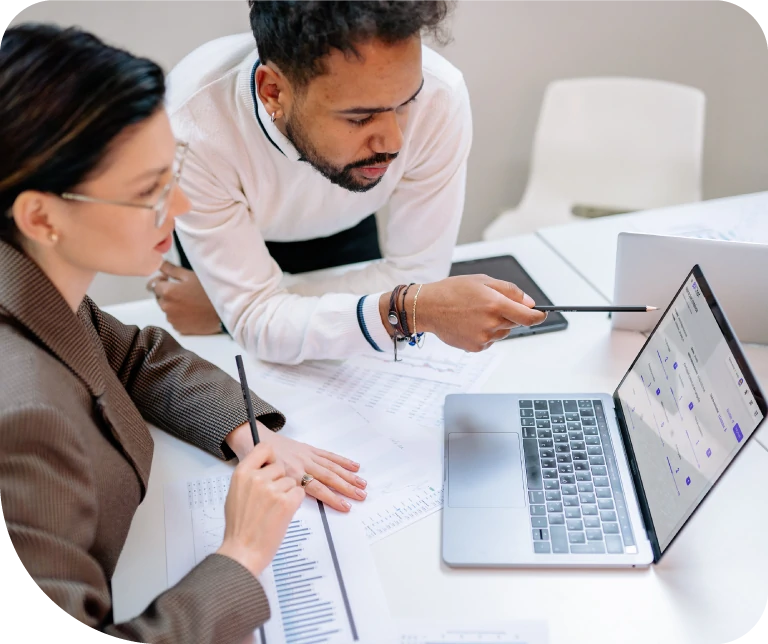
(710,586)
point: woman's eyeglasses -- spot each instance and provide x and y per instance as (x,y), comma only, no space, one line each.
(163,204)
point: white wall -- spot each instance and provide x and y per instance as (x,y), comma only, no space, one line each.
(508,52)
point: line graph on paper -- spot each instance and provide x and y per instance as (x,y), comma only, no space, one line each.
(387,517)
(206,501)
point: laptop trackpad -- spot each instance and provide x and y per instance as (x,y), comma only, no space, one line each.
(484,471)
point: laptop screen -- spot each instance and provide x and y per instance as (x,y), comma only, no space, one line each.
(689,403)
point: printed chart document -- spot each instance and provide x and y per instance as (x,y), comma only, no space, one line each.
(322,585)
(425,632)
(414,389)
(401,461)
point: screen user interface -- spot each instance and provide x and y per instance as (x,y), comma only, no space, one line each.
(688,410)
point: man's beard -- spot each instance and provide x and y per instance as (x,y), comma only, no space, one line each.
(341,177)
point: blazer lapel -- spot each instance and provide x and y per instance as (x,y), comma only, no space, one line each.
(35,303)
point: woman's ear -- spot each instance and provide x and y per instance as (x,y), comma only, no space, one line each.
(32,212)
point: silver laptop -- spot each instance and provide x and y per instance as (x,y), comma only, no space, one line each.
(736,271)
(594,479)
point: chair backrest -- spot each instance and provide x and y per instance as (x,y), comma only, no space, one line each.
(619,142)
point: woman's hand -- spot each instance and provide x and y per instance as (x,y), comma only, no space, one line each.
(260,505)
(331,471)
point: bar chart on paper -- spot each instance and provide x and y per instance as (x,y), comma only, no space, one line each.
(314,583)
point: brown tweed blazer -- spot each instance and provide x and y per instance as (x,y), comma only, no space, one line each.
(75,455)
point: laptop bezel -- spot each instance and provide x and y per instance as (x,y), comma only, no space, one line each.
(735,347)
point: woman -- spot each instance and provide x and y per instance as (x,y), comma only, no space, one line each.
(88,183)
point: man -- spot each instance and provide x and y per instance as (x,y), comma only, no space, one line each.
(341,112)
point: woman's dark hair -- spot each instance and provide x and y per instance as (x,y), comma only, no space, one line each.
(64,98)
(297,35)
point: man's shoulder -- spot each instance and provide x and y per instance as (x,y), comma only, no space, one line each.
(210,69)
(444,76)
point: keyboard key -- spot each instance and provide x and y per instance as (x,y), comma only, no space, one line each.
(565,468)
(553,495)
(573,418)
(590,431)
(559,539)
(586,412)
(536,497)
(574,524)
(551,485)
(549,474)
(545,535)
(567,479)
(592,522)
(561,438)
(538,522)
(605,504)
(594,450)
(581,466)
(587,498)
(547,452)
(607,515)
(541,547)
(526,413)
(595,534)
(555,406)
(601,481)
(536,534)
(596,460)
(542,424)
(613,544)
(529,432)
(541,405)
(589,510)
(573,513)
(532,467)
(527,422)
(603,493)
(554,506)
(599,470)
(592,440)
(542,415)
(570,406)
(579,456)
(586,487)
(575,435)
(588,421)
(578,445)
(562,448)
(538,510)
(571,501)
(591,548)
(548,462)
(546,433)
(583,476)
(569,490)
(585,404)
(526,404)
(573,427)
(556,519)
(576,537)
(611,528)
(546,442)
(558,421)
(563,458)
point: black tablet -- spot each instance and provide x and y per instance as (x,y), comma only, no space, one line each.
(507,268)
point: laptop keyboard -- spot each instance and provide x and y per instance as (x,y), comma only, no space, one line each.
(575,497)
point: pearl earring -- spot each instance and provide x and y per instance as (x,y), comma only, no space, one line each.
(53,236)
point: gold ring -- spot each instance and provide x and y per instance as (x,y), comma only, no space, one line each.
(306,480)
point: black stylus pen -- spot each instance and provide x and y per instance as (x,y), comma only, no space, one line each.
(596,309)
(247,398)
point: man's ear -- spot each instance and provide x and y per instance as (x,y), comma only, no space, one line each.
(31,212)
(272,89)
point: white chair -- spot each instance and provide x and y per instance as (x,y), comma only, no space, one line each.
(618,144)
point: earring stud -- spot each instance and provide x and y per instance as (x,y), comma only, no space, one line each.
(53,236)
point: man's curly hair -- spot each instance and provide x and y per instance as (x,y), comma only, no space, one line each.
(298,35)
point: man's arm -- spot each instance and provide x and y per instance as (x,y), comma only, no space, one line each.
(175,389)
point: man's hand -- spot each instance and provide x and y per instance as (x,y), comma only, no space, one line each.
(184,302)
(470,312)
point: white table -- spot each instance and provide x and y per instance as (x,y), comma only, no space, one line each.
(710,586)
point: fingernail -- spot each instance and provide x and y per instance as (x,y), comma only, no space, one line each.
(346,504)
(355,464)
(361,493)
(528,300)
(361,482)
